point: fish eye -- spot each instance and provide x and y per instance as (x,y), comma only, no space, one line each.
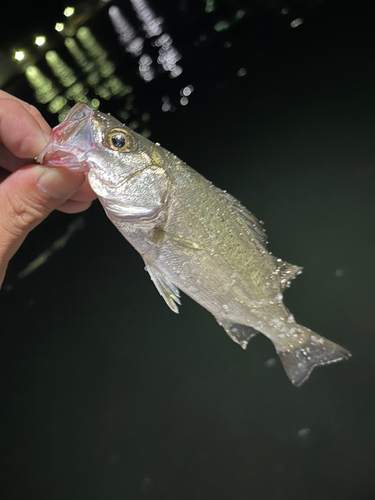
(120,140)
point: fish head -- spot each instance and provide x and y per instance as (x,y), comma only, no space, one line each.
(97,143)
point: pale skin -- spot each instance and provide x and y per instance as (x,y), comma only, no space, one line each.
(30,192)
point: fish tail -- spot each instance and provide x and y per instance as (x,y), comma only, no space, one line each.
(305,350)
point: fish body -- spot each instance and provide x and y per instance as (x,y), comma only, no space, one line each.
(192,236)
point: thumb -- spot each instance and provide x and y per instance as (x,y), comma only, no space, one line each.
(27,197)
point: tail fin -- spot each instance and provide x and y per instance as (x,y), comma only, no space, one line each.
(312,350)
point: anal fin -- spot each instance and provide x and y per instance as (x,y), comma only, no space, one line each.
(166,288)
(241,334)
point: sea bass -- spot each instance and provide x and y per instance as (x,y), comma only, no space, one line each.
(191,235)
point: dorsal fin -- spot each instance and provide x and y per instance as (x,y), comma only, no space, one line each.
(286,272)
(251,223)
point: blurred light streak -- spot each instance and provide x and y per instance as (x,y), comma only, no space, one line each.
(57,104)
(60,69)
(56,246)
(146,70)
(150,23)
(43,87)
(221,26)
(297,22)
(240,14)
(242,72)
(126,33)
(210,6)
(168,55)
(77,93)
(78,55)
(284,11)
(167,105)
(95,51)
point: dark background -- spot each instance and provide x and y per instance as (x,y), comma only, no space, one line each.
(105,394)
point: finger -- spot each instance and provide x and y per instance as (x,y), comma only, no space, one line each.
(73,207)
(26,198)
(30,109)
(11,162)
(13,119)
(84,193)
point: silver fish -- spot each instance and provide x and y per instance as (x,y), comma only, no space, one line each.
(191,235)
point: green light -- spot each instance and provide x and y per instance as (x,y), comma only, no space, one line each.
(221,26)
(60,69)
(69,11)
(210,6)
(40,40)
(44,89)
(59,26)
(57,104)
(78,55)
(95,103)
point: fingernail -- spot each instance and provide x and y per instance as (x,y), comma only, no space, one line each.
(59,183)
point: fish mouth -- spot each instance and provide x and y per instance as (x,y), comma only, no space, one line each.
(70,141)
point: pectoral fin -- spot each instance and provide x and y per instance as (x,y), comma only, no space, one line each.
(241,334)
(166,288)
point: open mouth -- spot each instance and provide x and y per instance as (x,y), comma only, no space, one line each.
(60,158)
(70,141)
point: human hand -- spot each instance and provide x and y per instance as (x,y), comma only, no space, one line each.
(30,192)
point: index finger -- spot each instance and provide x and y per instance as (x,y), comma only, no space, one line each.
(20,131)
(29,108)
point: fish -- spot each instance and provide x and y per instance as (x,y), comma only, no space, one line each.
(192,236)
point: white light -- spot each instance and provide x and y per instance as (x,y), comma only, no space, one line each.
(166,106)
(186,91)
(168,55)
(40,40)
(59,26)
(146,70)
(69,11)
(19,55)
(150,23)
(126,33)
(296,22)
(184,101)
